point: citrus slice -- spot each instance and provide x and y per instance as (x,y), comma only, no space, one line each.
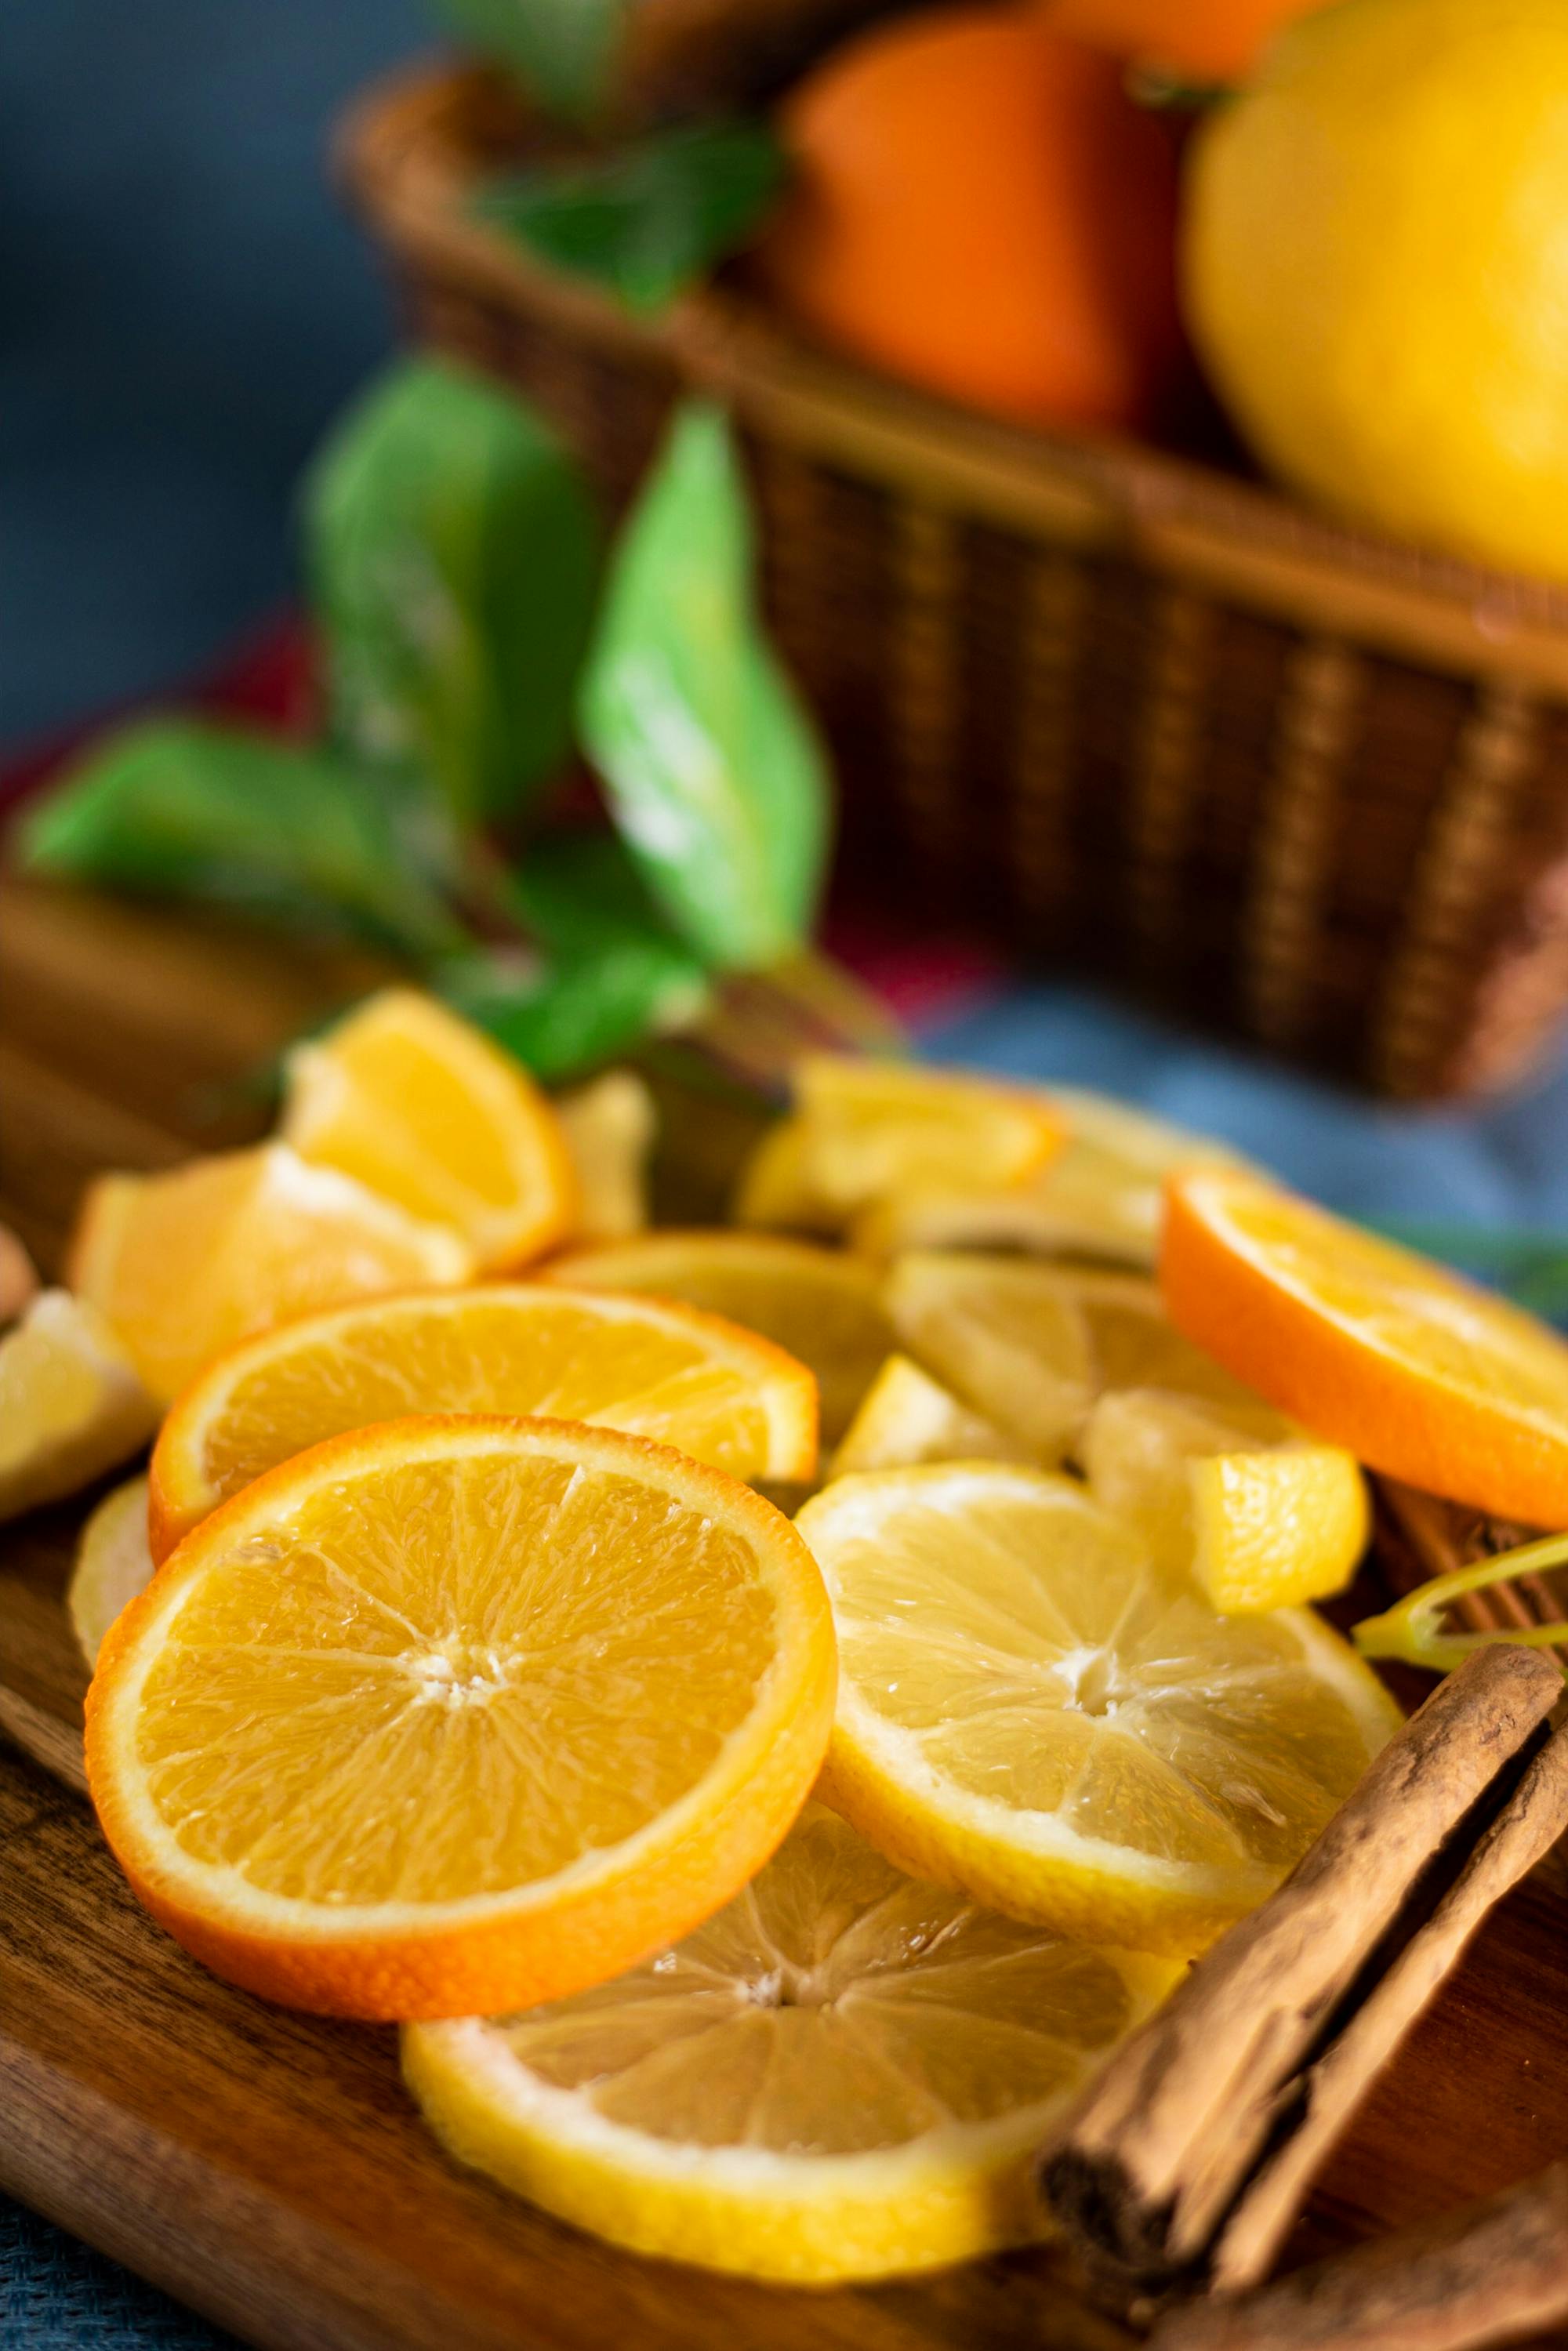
(71,1405)
(1420,1373)
(1030,1347)
(659,1370)
(182,1266)
(113,1563)
(609,1126)
(845,2074)
(1099,1197)
(454,1714)
(416,1103)
(907,1416)
(1031,1710)
(821,1305)
(872,1125)
(1261,1522)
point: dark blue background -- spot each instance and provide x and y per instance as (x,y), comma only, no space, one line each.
(182,303)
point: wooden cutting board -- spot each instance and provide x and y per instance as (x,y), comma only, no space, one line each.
(267,2168)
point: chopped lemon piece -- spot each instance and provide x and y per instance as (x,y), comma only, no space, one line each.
(821,1306)
(1100,1197)
(608,1127)
(1031,1711)
(113,1563)
(421,1107)
(71,1405)
(1261,1522)
(907,1416)
(873,1126)
(720,1393)
(455,1714)
(845,2074)
(181,1265)
(775,1190)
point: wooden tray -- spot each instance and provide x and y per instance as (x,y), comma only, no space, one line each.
(267,2168)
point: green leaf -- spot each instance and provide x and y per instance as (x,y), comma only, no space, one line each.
(715,775)
(579,893)
(452,554)
(649,220)
(574,1015)
(189,809)
(561,50)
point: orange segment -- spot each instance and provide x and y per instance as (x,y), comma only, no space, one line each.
(823,1306)
(720,1393)
(419,1106)
(456,1715)
(1419,1373)
(184,1265)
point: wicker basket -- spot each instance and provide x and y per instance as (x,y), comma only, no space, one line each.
(1141,717)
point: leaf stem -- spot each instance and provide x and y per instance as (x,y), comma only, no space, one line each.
(1412,1630)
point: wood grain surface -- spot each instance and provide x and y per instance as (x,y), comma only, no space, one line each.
(267,2168)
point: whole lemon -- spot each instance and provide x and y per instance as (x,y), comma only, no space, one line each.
(1375,268)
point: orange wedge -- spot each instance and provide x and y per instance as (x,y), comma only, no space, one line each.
(720,1393)
(820,1304)
(1418,1372)
(181,1265)
(456,1715)
(420,1106)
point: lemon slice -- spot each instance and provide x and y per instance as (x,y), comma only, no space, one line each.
(1030,1347)
(71,1403)
(1261,1522)
(907,1416)
(844,2074)
(823,1306)
(1031,1710)
(419,1106)
(453,1715)
(113,1563)
(609,1126)
(1099,1197)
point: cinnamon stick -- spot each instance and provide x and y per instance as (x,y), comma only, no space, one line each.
(1145,2170)
(1496,2272)
(1528,1827)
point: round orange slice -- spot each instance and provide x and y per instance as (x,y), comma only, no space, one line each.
(1418,1372)
(450,1715)
(720,1393)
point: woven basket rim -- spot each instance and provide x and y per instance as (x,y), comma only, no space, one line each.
(404,154)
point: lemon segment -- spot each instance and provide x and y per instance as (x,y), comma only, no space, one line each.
(844,2074)
(71,1403)
(907,1416)
(1261,1522)
(113,1563)
(1031,1709)
(1099,1197)
(608,1127)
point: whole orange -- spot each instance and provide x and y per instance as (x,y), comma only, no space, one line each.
(979,207)
(1204,40)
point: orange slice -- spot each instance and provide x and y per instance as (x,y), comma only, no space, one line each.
(181,1265)
(821,1305)
(720,1393)
(1418,1372)
(421,1107)
(455,1714)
